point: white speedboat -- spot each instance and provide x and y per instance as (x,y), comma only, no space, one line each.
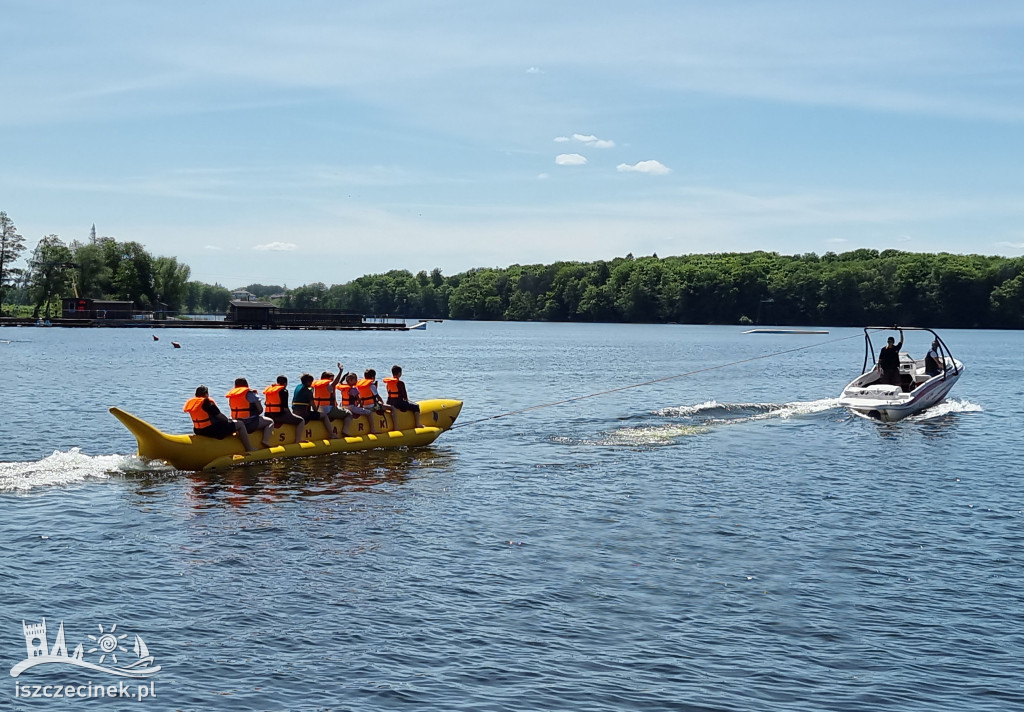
(870,396)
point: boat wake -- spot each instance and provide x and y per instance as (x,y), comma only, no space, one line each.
(691,420)
(70,467)
(712,412)
(946,407)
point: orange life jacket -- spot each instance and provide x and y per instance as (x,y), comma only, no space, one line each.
(346,396)
(391,383)
(363,384)
(322,393)
(194,407)
(240,405)
(272,398)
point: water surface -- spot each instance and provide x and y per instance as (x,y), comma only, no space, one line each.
(725,540)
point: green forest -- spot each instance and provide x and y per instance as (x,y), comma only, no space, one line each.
(853,288)
(848,289)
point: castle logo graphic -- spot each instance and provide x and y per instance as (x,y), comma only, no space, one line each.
(108,645)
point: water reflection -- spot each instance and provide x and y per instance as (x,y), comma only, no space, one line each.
(297,479)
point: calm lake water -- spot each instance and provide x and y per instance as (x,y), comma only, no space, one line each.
(727,540)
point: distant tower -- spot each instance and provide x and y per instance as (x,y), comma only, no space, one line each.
(35,639)
(92,235)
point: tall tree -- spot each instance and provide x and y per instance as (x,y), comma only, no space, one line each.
(11,246)
(169,280)
(51,273)
(94,275)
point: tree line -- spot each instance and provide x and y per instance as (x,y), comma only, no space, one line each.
(852,288)
(98,268)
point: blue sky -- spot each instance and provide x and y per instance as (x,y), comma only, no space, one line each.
(318,141)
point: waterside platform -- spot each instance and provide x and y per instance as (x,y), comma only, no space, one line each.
(785,331)
(375,325)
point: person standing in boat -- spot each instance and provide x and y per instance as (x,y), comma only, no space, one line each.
(246,409)
(276,408)
(934,364)
(889,361)
(398,397)
(209,422)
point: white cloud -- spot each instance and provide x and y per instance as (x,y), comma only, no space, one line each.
(593,141)
(543,176)
(212,247)
(570,159)
(654,168)
(1014,245)
(837,240)
(276,246)
(534,70)
(588,140)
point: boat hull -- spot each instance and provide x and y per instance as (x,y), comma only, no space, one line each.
(195,452)
(893,407)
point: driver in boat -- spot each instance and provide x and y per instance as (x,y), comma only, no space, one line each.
(933,363)
(889,361)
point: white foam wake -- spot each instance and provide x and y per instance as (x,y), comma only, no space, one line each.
(798,408)
(947,407)
(64,468)
(700,418)
(749,411)
(679,410)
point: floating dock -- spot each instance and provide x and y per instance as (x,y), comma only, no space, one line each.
(394,325)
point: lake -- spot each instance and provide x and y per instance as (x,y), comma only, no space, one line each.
(724,540)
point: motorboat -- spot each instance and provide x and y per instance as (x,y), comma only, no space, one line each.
(870,396)
(195,452)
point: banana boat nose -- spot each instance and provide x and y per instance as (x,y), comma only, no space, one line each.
(443,413)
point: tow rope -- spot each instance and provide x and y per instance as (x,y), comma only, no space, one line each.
(656,380)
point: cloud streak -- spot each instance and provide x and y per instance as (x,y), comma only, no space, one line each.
(276,247)
(570,159)
(654,168)
(587,140)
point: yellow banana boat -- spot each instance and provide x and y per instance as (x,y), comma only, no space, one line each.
(195,452)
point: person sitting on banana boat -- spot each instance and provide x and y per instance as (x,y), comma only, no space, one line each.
(246,409)
(209,422)
(352,400)
(367,386)
(326,404)
(398,397)
(276,408)
(302,400)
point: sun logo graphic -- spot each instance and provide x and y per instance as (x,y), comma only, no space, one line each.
(109,642)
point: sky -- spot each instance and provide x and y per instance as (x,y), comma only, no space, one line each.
(317,141)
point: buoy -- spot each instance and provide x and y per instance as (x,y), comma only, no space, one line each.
(175,344)
(155,337)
